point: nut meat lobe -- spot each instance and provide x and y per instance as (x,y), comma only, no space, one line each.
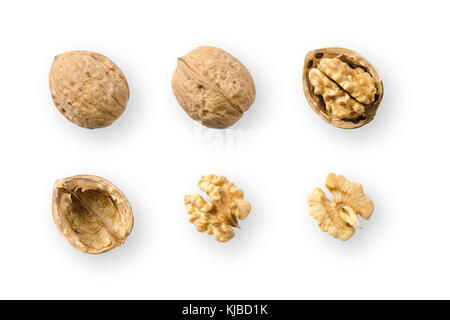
(225,206)
(213,87)
(337,101)
(88,88)
(342,87)
(91,213)
(339,217)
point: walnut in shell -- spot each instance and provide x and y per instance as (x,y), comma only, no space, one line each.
(91,213)
(225,206)
(213,87)
(342,87)
(88,88)
(340,216)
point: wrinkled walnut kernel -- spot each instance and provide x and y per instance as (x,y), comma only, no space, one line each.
(340,216)
(221,212)
(337,101)
(358,83)
(342,87)
(91,213)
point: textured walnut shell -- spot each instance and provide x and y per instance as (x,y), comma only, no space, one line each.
(88,88)
(213,87)
(354,60)
(91,213)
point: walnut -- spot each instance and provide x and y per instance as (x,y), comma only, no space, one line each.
(88,88)
(91,213)
(342,87)
(222,211)
(213,87)
(339,217)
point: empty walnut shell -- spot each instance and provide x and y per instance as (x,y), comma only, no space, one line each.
(88,88)
(213,87)
(91,213)
(350,91)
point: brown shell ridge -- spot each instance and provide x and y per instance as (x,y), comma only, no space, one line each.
(105,111)
(112,96)
(97,217)
(213,86)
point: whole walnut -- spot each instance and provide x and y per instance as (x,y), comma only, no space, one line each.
(213,87)
(88,88)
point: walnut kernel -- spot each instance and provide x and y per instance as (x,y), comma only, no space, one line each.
(342,87)
(225,206)
(340,216)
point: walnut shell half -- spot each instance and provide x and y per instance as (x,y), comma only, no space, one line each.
(342,87)
(91,213)
(213,87)
(88,88)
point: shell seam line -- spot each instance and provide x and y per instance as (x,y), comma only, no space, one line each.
(102,110)
(93,56)
(97,217)
(213,86)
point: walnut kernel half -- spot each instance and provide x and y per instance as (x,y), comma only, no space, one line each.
(340,216)
(225,206)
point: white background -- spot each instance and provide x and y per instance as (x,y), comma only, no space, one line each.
(277,153)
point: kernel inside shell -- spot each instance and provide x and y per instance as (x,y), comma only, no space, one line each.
(353,89)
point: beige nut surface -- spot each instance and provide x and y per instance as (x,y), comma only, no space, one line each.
(225,206)
(340,216)
(213,87)
(88,88)
(342,87)
(91,213)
